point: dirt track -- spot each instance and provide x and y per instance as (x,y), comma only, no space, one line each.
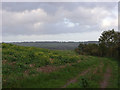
(106,78)
(74,80)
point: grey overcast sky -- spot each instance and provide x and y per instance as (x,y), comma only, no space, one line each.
(57,21)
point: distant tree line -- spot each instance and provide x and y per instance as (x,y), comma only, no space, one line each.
(109,45)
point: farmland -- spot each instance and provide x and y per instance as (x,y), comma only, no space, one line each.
(32,67)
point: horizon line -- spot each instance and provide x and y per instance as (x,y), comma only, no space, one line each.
(48,41)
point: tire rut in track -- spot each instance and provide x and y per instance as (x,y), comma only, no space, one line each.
(75,79)
(106,78)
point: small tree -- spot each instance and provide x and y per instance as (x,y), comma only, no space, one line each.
(108,43)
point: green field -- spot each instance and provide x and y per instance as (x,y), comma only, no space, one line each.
(32,67)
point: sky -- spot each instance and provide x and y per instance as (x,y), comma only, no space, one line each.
(57,21)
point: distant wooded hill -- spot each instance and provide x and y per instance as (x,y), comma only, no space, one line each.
(55,45)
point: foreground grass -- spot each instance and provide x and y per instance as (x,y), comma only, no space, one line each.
(54,79)
(18,59)
(93,79)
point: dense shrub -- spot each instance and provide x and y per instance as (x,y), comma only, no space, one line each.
(109,45)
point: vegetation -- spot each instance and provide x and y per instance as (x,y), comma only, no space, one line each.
(88,49)
(41,56)
(31,67)
(109,45)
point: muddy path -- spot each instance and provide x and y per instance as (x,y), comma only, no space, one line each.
(106,78)
(74,80)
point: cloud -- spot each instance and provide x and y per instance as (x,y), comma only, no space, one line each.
(26,21)
(25,17)
(57,18)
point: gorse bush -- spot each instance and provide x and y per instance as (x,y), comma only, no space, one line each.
(39,56)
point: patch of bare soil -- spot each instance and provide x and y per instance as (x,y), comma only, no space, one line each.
(48,68)
(79,61)
(26,72)
(106,78)
(10,63)
(31,65)
(45,69)
(95,71)
(4,61)
(51,60)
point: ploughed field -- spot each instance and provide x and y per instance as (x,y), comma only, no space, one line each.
(31,67)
